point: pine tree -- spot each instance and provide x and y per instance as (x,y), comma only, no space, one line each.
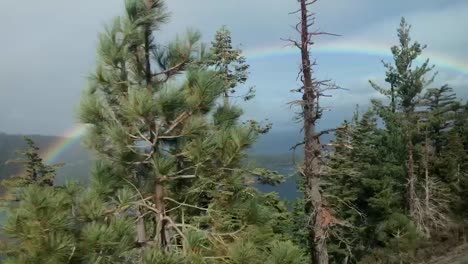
(365,183)
(407,83)
(174,155)
(437,121)
(229,63)
(416,126)
(456,159)
(38,227)
(141,122)
(64,224)
(344,188)
(35,172)
(442,105)
(449,157)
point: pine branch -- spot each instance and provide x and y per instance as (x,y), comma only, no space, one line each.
(181,118)
(171,71)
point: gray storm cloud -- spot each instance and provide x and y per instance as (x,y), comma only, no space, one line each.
(48,48)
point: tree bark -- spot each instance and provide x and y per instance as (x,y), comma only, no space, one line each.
(312,149)
(393,104)
(148,73)
(426,172)
(411,180)
(158,199)
(141,232)
(226,83)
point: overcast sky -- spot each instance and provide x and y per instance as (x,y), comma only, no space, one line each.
(47,48)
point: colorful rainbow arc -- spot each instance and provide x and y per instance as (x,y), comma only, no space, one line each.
(73,135)
(382,50)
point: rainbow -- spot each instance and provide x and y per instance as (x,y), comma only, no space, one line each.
(73,135)
(360,48)
(70,138)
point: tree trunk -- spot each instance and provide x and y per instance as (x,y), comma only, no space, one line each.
(226,83)
(411,180)
(313,205)
(427,187)
(226,99)
(393,104)
(313,150)
(141,232)
(158,199)
(148,73)
(159,190)
(426,172)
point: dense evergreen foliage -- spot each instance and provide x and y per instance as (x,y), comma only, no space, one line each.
(398,173)
(172,182)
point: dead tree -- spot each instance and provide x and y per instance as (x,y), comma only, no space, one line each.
(319,216)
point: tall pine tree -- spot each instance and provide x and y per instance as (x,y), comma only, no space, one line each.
(176,152)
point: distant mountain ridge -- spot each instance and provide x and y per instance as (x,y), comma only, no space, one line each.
(76,159)
(272,151)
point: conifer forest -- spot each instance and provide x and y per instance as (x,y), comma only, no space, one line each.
(172,178)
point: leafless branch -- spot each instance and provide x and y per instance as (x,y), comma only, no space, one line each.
(293,42)
(294,12)
(182,177)
(318,33)
(184,204)
(297,145)
(171,137)
(175,226)
(348,146)
(328,131)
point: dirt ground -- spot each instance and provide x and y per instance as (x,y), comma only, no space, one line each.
(458,255)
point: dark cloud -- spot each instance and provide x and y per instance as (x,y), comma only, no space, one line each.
(48,47)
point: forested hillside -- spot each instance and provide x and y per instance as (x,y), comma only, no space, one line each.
(271,152)
(10,144)
(76,160)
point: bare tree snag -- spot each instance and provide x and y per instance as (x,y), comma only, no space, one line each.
(319,216)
